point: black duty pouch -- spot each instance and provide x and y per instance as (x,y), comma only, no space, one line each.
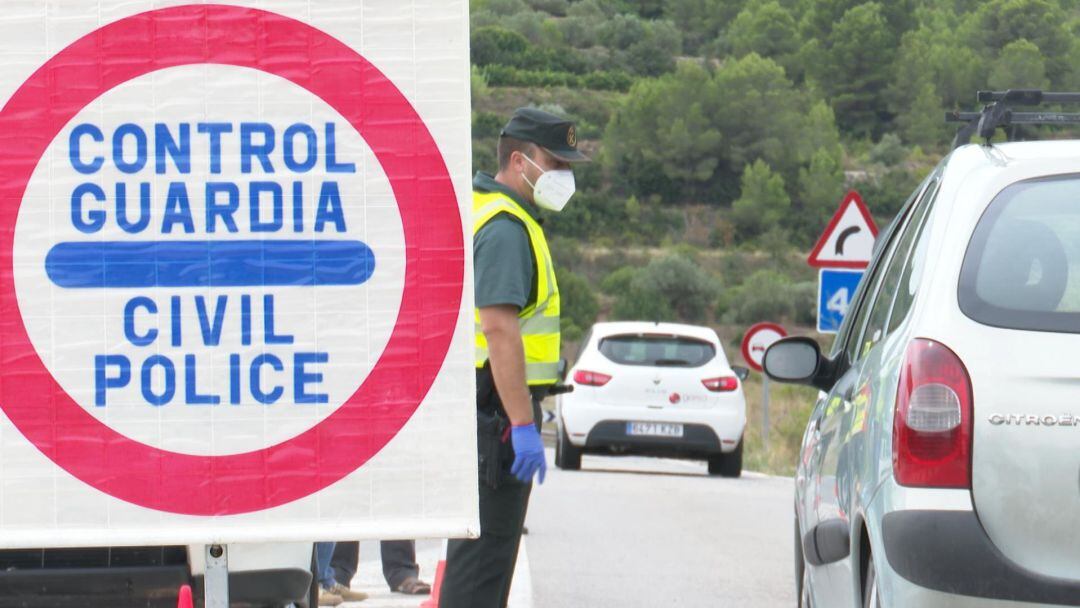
(492,431)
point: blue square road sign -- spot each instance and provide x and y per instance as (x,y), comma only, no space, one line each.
(836,288)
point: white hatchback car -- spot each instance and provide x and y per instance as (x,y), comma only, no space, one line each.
(656,389)
(940,463)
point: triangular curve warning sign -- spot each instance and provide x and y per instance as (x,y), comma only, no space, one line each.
(848,241)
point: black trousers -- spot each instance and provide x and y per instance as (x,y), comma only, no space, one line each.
(479,572)
(398,561)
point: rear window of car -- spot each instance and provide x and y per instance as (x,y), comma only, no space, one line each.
(657,350)
(1022,268)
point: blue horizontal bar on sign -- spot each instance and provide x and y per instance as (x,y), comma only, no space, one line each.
(90,265)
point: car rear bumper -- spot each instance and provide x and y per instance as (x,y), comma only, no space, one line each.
(151,587)
(589,426)
(697,440)
(948,552)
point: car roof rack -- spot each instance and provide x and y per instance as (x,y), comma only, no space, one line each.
(998,113)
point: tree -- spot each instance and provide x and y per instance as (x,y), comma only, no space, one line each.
(497,45)
(664,132)
(689,135)
(1020,66)
(701,21)
(921,123)
(579,305)
(767,29)
(854,69)
(821,184)
(1043,23)
(763,203)
(671,288)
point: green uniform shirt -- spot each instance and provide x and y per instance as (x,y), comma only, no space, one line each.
(504,270)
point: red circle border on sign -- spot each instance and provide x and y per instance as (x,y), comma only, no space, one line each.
(750,334)
(434,271)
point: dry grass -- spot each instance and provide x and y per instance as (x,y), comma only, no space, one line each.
(789,409)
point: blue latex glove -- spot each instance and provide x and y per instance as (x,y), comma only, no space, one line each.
(529,455)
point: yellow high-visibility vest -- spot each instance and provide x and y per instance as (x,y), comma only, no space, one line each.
(539,321)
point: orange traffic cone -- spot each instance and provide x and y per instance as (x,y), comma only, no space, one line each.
(185,600)
(434,601)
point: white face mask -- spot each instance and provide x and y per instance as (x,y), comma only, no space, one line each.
(553,189)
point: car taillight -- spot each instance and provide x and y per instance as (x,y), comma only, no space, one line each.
(932,430)
(587,378)
(721,385)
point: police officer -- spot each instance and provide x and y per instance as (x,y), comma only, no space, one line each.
(517,345)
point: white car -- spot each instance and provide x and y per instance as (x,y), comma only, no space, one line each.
(269,575)
(940,465)
(656,389)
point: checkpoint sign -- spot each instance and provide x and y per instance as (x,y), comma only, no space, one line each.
(232,276)
(757,340)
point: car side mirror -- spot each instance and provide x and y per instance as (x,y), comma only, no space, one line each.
(564,366)
(741,372)
(798,361)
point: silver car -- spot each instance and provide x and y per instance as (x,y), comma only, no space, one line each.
(941,463)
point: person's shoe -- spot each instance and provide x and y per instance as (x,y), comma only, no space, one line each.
(413,586)
(348,594)
(327,597)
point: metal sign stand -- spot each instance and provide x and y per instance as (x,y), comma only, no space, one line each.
(765,412)
(216,587)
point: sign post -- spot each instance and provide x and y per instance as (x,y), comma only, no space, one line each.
(755,342)
(841,254)
(233,276)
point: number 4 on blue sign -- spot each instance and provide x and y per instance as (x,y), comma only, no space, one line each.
(836,288)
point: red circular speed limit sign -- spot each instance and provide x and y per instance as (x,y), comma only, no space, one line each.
(69,422)
(757,340)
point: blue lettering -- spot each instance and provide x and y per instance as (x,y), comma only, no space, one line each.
(211,333)
(302,378)
(329,209)
(123,131)
(215,130)
(167,366)
(102,380)
(289,146)
(332,165)
(75,149)
(177,209)
(249,150)
(245,320)
(234,379)
(256,379)
(256,191)
(165,145)
(177,334)
(144,208)
(95,219)
(224,211)
(268,323)
(130,308)
(191,394)
(298,206)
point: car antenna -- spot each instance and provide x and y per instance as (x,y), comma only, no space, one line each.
(998,113)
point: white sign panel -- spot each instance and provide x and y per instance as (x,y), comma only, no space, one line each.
(234,272)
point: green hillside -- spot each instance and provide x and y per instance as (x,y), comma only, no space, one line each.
(725,132)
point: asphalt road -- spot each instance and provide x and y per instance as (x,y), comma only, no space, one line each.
(636,532)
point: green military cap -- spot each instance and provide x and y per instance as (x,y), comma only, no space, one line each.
(552,133)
